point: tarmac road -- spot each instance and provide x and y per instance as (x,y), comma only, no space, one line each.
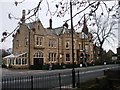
(50,79)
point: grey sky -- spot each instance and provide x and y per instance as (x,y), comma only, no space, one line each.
(7,6)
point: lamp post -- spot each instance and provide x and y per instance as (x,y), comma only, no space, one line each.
(58,52)
(73,69)
(29,51)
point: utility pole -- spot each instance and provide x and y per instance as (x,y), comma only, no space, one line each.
(73,69)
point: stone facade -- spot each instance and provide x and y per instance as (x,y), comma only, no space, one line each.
(35,45)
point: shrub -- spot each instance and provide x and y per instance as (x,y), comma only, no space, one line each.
(4,66)
(33,67)
(45,67)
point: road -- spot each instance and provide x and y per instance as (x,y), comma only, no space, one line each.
(8,72)
(50,79)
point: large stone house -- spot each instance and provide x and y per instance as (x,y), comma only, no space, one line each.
(35,45)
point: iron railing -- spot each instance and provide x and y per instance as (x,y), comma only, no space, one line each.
(53,81)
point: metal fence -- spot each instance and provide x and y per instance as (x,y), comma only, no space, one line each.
(41,82)
(54,81)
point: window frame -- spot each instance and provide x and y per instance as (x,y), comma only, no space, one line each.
(40,41)
(67,44)
(68,57)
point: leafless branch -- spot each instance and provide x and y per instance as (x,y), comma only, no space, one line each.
(9,34)
(35,10)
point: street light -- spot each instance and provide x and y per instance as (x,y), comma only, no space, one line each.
(73,69)
(29,51)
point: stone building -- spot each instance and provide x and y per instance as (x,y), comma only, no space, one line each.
(35,45)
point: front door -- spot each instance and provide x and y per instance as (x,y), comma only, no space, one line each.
(38,61)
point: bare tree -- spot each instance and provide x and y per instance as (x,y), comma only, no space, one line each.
(103,31)
(61,8)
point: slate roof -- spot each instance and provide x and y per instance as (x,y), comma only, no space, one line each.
(53,31)
(30,25)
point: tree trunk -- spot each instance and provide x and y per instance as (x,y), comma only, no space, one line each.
(101,58)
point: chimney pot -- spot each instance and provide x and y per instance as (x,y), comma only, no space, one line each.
(50,21)
(23,16)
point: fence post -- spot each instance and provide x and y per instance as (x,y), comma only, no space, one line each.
(104,72)
(60,81)
(31,82)
(78,83)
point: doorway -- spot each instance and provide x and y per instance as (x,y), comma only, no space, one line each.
(38,61)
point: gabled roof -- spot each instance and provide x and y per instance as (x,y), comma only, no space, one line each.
(50,31)
(30,25)
(57,31)
(110,52)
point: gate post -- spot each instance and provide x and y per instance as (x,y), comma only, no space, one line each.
(31,82)
(60,81)
(78,83)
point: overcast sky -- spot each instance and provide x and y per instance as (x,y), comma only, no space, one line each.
(8,6)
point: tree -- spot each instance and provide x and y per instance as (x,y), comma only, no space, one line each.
(61,8)
(104,29)
(4,53)
(104,32)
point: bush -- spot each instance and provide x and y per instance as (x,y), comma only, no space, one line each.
(33,67)
(118,62)
(70,65)
(4,66)
(9,66)
(45,67)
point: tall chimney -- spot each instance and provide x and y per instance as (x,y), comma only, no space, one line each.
(23,16)
(50,22)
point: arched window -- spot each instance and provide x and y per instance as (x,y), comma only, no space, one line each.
(38,54)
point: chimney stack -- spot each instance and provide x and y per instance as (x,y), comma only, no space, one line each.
(23,16)
(50,21)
